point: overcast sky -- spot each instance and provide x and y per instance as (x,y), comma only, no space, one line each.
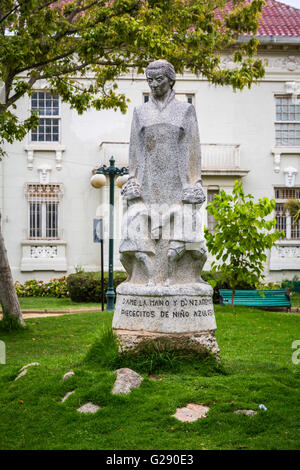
(292,3)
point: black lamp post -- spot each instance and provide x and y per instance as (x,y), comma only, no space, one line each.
(111,171)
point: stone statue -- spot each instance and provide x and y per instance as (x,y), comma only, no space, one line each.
(162,246)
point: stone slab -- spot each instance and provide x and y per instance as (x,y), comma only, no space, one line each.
(68,375)
(198,288)
(30,365)
(191,412)
(245,412)
(67,396)
(164,313)
(127,380)
(204,342)
(21,374)
(88,408)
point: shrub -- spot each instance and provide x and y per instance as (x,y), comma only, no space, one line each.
(241,236)
(271,286)
(293,285)
(217,281)
(86,287)
(56,287)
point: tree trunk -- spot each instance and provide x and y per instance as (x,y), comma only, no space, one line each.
(8,296)
(232,297)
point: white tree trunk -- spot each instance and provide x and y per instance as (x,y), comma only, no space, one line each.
(8,296)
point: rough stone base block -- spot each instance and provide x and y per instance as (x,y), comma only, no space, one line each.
(204,342)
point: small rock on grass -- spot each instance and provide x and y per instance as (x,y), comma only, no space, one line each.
(30,365)
(88,408)
(67,396)
(153,377)
(126,380)
(245,412)
(24,372)
(191,412)
(68,375)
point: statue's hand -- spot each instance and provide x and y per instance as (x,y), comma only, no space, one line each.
(194,194)
(131,189)
(155,232)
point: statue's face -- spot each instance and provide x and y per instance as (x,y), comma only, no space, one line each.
(158,82)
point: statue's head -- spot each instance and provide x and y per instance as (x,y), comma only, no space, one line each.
(161,77)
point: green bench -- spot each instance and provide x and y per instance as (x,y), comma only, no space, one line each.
(257,298)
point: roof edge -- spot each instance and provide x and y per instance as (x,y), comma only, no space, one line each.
(272,39)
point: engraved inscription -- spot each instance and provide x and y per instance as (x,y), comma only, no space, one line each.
(137,313)
(167,307)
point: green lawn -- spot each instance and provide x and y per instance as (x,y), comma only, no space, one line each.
(256,352)
(52,303)
(295,299)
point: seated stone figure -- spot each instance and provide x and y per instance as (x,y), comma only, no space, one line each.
(164,169)
(181,225)
(136,242)
(164,301)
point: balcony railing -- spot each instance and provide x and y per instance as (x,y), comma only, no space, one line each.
(220,156)
(43,255)
(285,256)
(214,156)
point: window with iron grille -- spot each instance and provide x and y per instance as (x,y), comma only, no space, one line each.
(179,96)
(47,105)
(287,124)
(284,221)
(44,201)
(211,221)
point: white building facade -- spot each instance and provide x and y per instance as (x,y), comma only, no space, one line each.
(48,204)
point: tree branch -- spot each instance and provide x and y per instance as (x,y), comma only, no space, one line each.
(16,96)
(81,9)
(45,62)
(86,64)
(3,18)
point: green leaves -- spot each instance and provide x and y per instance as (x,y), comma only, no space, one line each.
(293,206)
(243,233)
(12,128)
(68,42)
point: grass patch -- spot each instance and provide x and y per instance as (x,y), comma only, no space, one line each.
(52,303)
(105,352)
(10,323)
(256,367)
(295,299)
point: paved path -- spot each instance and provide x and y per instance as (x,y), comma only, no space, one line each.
(40,315)
(55,313)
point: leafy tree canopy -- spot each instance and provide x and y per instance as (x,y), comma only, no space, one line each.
(241,236)
(65,41)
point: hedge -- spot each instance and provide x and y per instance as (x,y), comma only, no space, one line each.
(293,285)
(56,287)
(86,286)
(218,282)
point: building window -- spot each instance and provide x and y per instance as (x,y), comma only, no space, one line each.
(211,221)
(44,211)
(179,96)
(283,219)
(185,97)
(47,105)
(287,125)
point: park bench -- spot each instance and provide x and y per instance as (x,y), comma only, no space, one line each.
(257,298)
